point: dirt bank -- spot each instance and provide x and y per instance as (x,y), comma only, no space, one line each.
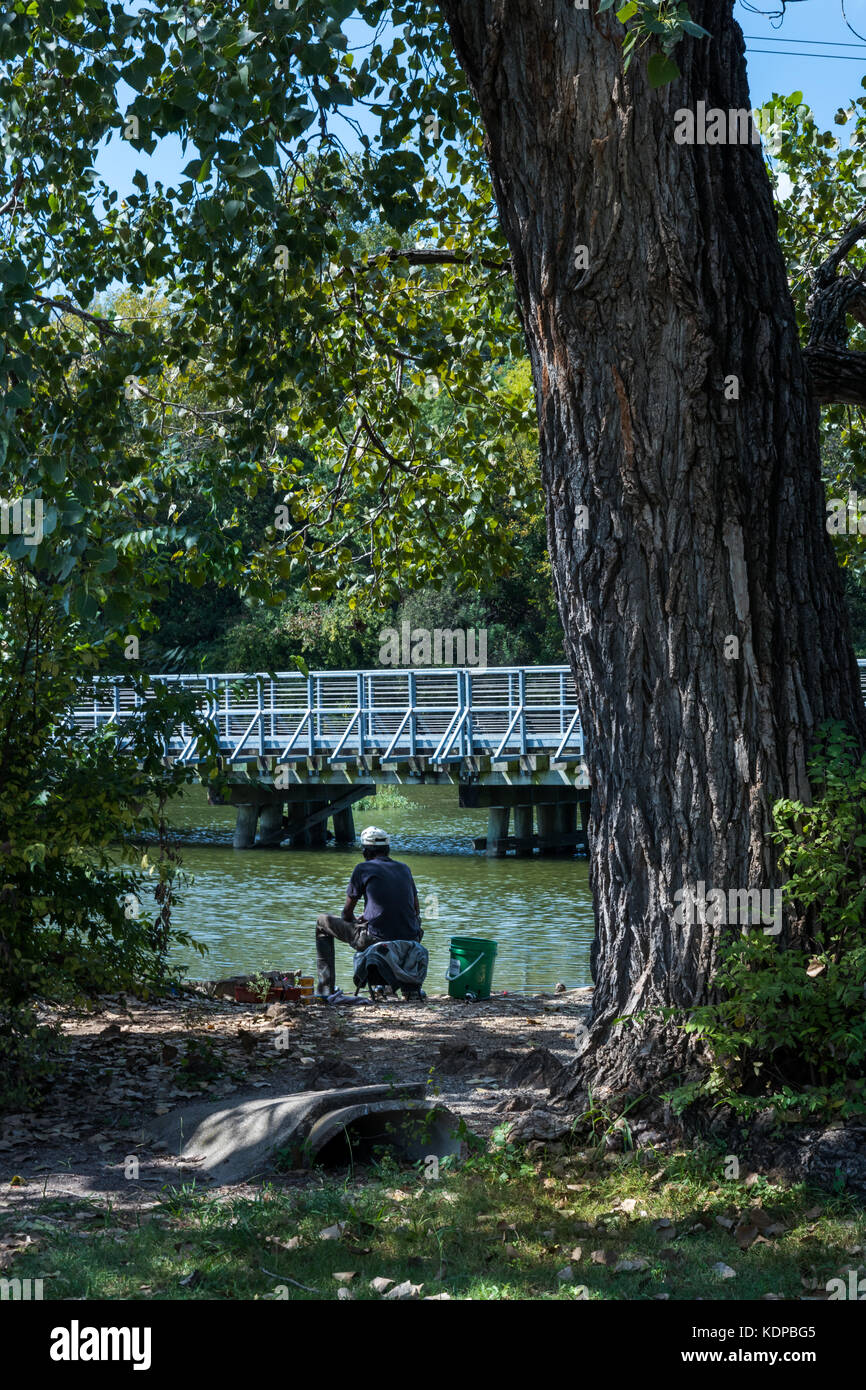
(128,1061)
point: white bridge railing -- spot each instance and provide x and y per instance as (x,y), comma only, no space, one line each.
(444,715)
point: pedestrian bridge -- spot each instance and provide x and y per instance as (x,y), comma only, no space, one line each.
(299,751)
(441,717)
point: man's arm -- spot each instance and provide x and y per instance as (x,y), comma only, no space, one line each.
(417,910)
(349,908)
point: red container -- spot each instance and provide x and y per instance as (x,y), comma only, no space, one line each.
(277,994)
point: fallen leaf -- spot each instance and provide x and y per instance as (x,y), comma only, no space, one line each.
(404,1291)
(565,1275)
(333,1232)
(344,1295)
(291,1244)
(628,1204)
(379,1285)
(724,1271)
(345,1276)
(576,1254)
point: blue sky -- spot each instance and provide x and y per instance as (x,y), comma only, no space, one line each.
(812,51)
(827,82)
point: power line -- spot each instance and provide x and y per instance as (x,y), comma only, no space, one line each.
(816,43)
(780,14)
(827,57)
(848,22)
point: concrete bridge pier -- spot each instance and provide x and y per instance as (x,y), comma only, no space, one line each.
(271,824)
(303,836)
(566,827)
(523,831)
(556,808)
(547,827)
(497,831)
(245,827)
(344,827)
(296,835)
(317,833)
(298,814)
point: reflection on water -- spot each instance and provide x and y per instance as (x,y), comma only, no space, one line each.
(256,909)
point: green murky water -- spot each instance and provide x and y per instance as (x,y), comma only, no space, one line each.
(256,909)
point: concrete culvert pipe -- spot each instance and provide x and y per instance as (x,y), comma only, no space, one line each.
(230,1143)
(410,1130)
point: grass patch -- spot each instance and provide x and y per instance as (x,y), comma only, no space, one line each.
(387,798)
(496,1227)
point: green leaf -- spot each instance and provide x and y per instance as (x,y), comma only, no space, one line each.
(661,69)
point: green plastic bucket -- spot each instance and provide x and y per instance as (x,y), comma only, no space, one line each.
(470,970)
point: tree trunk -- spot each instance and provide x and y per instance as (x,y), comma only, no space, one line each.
(702,603)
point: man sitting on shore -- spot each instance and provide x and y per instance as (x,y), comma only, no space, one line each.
(392,911)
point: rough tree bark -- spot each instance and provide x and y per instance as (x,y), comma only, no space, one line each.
(706,516)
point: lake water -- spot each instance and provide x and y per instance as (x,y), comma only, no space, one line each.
(256,909)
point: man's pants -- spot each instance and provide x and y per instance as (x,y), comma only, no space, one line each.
(328,930)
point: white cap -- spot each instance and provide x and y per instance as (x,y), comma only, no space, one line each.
(374,836)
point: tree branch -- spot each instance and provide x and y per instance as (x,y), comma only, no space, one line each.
(417,255)
(838,373)
(12,201)
(67,307)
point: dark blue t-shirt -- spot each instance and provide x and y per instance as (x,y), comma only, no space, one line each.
(388,890)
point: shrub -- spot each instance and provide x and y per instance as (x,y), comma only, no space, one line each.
(74,803)
(789,1025)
